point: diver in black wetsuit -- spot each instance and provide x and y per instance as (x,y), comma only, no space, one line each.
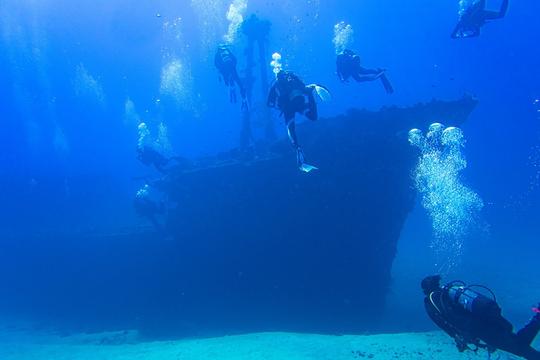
(226,62)
(475,321)
(149,156)
(149,208)
(475,16)
(349,65)
(290,95)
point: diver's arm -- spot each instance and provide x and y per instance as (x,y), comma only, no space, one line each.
(437,317)
(272,96)
(340,75)
(339,66)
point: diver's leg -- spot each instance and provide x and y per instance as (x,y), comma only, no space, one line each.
(312,113)
(531,354)
(291,130)
(238,81)
(501,336)
(513,345)
(359,78)
(226,79)
(160,228)
(232,94)
(529,331)
(494,15)
(364,71)
(300,160)
(367,75)
(504,8)
(387,85)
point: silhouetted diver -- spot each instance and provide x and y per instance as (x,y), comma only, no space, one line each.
(475,321)
(348,65)
(289,94)
(474,17)
(226,62)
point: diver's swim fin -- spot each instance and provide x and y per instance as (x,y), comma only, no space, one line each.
(307,168)
(301,164)
(386,83)
(322,92)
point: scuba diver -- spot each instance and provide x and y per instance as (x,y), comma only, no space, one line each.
(349,65)
(474,320)
(474,16)
(146,206)
(226,62)
(290,95)
(150,156)
(148,152)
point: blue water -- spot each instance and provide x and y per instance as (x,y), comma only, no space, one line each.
(77,78)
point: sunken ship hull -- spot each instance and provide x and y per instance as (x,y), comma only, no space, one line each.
(272,247)
(252,245)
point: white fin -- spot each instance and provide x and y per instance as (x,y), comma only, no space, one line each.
(307,168)
(323,94)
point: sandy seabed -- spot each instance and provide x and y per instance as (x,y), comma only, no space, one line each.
(260,346)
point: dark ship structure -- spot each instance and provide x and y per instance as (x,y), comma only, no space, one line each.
(252,245)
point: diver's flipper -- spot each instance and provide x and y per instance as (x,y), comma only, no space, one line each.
(307,168)
(386,83)
(302,166)
(322,92)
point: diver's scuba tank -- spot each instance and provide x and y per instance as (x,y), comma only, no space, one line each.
(465,297)
(225,59)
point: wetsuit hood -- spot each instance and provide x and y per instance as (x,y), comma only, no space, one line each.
(431,284)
